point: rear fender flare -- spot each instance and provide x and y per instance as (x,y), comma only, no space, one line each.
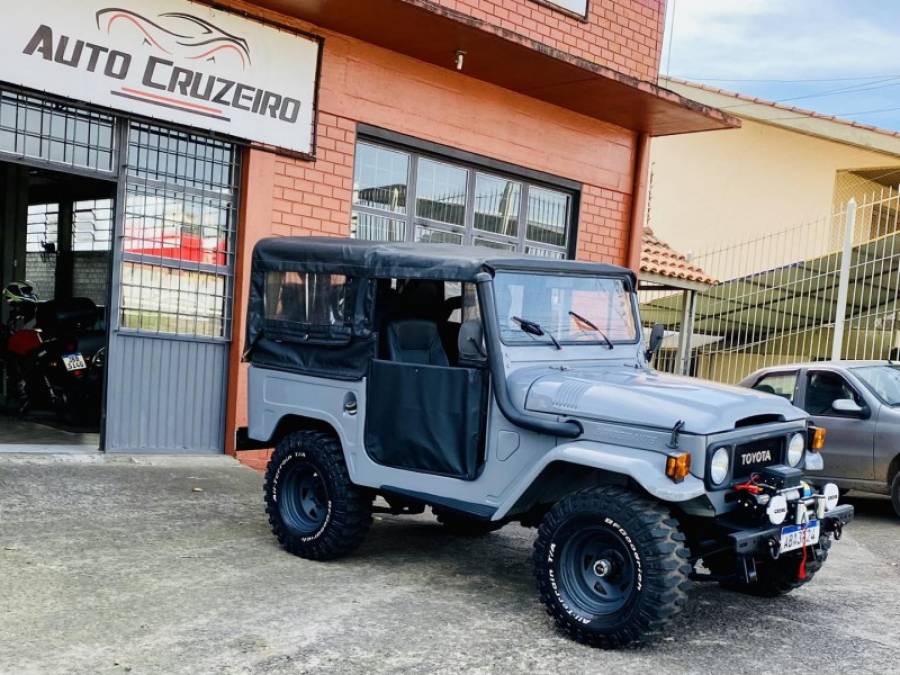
(645,467)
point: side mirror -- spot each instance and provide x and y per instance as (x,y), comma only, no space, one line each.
(657,333)
(848,406)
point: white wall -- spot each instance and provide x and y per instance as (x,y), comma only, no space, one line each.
(720,187)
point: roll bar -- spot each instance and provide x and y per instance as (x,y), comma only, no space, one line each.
(566,429)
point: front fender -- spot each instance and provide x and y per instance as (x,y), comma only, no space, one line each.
(645,467)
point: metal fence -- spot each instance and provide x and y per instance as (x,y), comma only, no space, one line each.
(825,289)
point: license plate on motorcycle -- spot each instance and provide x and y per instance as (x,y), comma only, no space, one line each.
(73,362)
(798,536)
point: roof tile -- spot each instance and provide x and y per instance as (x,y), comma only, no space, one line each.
(657,257)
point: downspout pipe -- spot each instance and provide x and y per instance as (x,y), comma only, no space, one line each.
(638,201)
(566,429)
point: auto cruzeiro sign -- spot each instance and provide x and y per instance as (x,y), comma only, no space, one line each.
(173,60)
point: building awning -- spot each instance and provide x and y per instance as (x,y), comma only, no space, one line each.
(433,33)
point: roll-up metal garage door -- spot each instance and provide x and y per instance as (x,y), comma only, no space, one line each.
(172,291)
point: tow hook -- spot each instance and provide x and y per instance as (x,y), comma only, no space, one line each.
(774,548)
(837,530)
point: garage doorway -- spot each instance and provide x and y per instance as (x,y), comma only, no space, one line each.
(136,223)
(57,234)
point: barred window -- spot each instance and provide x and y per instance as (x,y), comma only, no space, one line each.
(42,228)
(402,195)
(92,225)
(180,215)
(40,129)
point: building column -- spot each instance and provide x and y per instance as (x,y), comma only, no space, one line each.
(254,223)
(683,357)
(638,201)
(65,265)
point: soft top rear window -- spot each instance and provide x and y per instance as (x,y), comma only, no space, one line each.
(304,302)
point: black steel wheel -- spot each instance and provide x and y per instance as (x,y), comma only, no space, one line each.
(304,504)
(611,566)
(314,509)
(597,571)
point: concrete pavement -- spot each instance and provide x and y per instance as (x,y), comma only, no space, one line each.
(166,565)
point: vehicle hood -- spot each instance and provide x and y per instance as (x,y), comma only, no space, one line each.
(627,395)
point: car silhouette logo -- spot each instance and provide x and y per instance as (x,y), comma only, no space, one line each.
(178,34)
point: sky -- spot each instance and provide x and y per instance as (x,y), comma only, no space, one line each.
(837,57)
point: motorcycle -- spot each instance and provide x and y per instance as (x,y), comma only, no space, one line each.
(55,354)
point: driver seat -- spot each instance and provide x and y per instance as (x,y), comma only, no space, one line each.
(416,341)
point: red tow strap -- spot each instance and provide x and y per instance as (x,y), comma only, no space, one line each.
(801,573)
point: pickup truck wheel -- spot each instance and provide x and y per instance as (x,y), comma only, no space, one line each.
(465,526)
(611,566)
(775,577)
(314,510)
(895,493)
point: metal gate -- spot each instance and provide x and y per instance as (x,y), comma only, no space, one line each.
(826,289)
(172,262)
(172,291)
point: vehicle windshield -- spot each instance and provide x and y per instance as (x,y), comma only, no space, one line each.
(883,381)
(573,309)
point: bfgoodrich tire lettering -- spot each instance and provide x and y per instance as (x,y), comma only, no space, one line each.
(634,548)
(314,510)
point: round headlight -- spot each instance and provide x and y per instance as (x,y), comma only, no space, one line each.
(719,465)
(796,446)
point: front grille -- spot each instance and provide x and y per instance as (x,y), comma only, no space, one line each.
(753,456)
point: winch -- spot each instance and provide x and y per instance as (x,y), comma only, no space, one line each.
(779,494)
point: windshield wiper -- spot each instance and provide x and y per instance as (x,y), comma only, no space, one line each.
(590,324)
(534,328)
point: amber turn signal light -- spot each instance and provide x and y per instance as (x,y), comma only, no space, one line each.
(818,439)
(678,466)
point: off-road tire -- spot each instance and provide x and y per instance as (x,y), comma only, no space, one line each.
(895,493)
(658,560)
(775,578)
(462,525)
(347,510)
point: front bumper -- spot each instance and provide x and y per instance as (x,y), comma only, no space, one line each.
(751,541)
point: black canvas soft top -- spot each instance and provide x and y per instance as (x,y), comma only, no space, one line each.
(386,260)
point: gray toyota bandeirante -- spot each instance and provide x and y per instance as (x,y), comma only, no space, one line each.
(494,389)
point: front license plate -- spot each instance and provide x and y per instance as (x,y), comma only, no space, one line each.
(73,362)
(798,536)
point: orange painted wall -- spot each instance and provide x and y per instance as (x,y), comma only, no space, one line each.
(363,83)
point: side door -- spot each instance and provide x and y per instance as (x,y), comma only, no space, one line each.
(425,404)
(781,383)
(850,442)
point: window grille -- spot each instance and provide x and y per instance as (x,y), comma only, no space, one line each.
(42,129)
(178,240)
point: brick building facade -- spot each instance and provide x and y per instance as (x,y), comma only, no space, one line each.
(378,72)
(148,147)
